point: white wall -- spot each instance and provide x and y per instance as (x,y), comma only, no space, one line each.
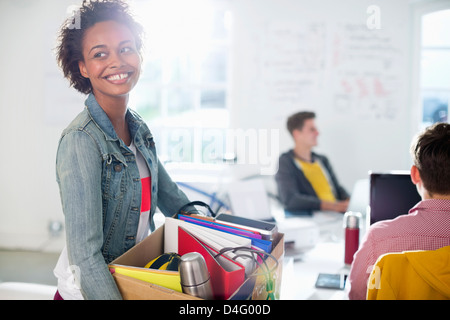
(29,196)
(355,142)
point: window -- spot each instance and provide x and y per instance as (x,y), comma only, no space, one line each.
(435,67)
(182,93)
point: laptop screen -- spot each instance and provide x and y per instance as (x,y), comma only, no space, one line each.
(391,194)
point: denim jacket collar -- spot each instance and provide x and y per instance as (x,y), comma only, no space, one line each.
(102,120)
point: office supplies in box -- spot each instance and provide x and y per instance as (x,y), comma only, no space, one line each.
(239,279)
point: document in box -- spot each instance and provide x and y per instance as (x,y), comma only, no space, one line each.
(226,274)
(255,237)
(217,240)
(222,227)
(223,239)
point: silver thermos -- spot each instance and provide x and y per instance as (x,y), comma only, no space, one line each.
(194,276)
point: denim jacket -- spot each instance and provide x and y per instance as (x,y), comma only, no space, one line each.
(100,192)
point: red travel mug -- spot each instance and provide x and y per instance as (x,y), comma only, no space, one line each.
(351,224)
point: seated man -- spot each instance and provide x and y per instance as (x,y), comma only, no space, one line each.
(306,181)
(427,226)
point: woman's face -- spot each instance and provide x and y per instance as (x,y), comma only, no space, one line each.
(111,60)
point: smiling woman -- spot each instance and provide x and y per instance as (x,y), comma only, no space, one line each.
(110,61)
(69,51)
(112,65)
(108,172)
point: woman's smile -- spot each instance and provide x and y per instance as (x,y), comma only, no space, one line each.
(111,60)
(119,78)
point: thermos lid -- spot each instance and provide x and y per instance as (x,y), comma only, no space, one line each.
(352,219)
(193,270)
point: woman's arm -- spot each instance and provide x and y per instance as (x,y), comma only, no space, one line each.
(79,170)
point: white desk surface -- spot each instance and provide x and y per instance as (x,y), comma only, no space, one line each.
(300,273)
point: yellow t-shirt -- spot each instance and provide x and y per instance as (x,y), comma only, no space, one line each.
(314,173)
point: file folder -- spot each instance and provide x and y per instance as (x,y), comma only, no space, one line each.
(226,275)
(164,278)
(222,239)
(216,239)
(256,238)
(221,227)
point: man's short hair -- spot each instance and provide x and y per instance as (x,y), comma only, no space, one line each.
(431,155)
(297,120)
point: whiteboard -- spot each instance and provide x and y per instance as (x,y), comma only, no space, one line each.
(332,62)
(322,56)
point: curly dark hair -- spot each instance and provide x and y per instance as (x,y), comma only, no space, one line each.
(70,50)
(431,155)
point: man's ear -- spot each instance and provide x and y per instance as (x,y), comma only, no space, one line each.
(83,69)
(415,175)
(296,133)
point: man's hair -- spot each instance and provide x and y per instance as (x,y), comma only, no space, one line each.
(297,120)
(431,155)
(70,49)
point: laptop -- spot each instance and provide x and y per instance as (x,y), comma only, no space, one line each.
(391,194)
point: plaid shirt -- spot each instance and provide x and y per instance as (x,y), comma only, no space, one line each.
(426,227)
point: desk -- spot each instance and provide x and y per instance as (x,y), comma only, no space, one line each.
(300,272)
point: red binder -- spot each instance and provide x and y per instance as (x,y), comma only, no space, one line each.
(226,278)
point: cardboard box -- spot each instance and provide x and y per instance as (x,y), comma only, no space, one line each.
(153,246)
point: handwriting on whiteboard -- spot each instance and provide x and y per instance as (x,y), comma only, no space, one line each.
(348,67)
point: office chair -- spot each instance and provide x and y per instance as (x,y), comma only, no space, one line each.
(411,275)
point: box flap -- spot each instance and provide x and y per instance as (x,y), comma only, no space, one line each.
(145,251)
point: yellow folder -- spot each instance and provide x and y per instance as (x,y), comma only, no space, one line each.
(163,278)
